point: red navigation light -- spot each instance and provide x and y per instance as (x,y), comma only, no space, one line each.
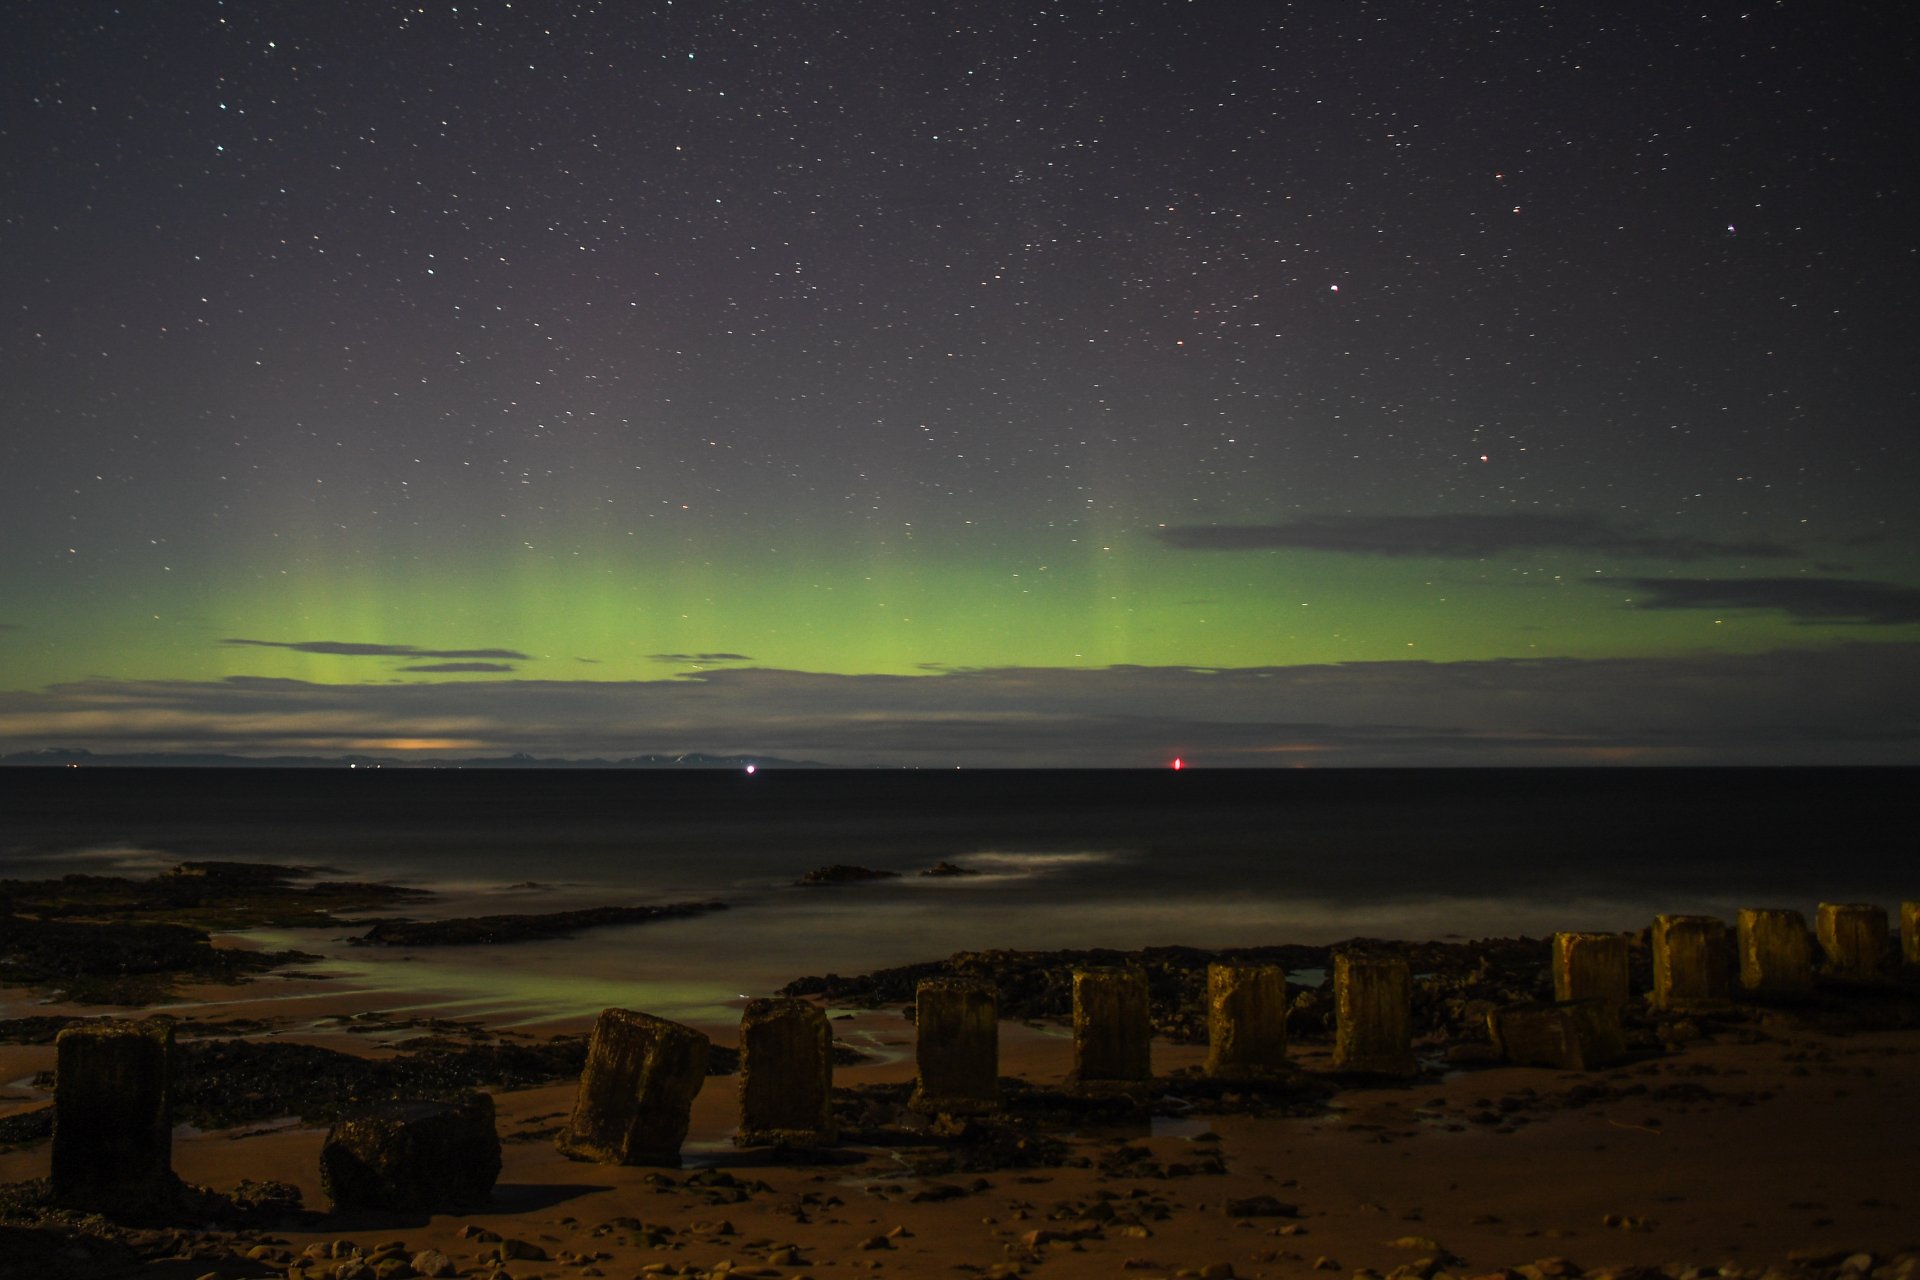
(1178,764)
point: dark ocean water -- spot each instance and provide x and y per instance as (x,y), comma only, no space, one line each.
(1070,858)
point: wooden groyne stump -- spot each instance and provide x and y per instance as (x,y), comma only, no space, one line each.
(1853,939)
(1373,1014)
(1776,955)
(1910,933)
(1590,966)
(636,1093)
(786,1075)
(113,1114)
(1112,1029)
(1692,963)
(956,1047)
(413,1157)
(1575,1035)
(1246,1020)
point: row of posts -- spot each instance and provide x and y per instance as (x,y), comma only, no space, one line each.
(636,1092)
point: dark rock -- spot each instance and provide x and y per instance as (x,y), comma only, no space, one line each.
(945,868)
(842,873)
(469,931)
(1261,1207)
(414,1157)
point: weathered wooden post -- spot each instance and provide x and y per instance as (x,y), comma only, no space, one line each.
(1776,957)
(113,1113)
(786,1075)
(1692,967)
(1577,1035)
(636,1094)
(956,1047)
(1910,932)
(1373,1014)
(1853,938)
(1246,1020)
(1112,1028)
(1590,966)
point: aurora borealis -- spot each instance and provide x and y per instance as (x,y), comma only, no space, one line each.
(933,385)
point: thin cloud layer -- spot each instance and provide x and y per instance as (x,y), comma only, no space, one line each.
(350,649)
(1849,704)
(1459,536)
(1855,600)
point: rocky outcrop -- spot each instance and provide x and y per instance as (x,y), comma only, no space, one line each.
(474,931)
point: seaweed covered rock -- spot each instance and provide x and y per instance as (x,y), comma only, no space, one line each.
(413,1156)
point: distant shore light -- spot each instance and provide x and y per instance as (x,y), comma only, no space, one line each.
(1178,764)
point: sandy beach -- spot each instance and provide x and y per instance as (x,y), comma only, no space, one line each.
(1770,1140)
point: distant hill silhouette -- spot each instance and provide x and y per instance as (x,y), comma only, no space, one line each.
(75,757)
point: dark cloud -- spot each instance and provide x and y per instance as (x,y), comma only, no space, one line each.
(454,667)
(1806,599)
(699,657)
(349,649)
(1459,536)
(1855,703)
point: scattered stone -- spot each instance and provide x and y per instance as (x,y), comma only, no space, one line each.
(1261,1206)
(414,1157)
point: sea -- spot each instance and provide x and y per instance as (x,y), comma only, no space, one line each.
(1064,859)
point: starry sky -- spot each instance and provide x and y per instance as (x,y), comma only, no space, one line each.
(955,384)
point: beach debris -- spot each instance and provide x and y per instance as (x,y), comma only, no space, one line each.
(1373,1016)
(1569,1035)
(1692,962)
(1112,1030)
(636,1092)
(1246,1020)
(1590,966)
(1776,954)
(786,1075)
(842,873)
(956,1047)
(414,1156)
(1853,939)
(113,1114)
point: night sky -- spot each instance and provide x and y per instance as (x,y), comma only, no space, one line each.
(888,383)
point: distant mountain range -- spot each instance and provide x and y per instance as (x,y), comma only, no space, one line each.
(73,757)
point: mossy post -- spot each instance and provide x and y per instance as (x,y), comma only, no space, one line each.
(1246,1020)
(636,1094)
(1776,955)
(1373,1014)
(1590,966)
(1853,939)
(786,1075)
(1112,1028)
(1692,966)
(113,1113)
(1910,933)
(956,1047)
